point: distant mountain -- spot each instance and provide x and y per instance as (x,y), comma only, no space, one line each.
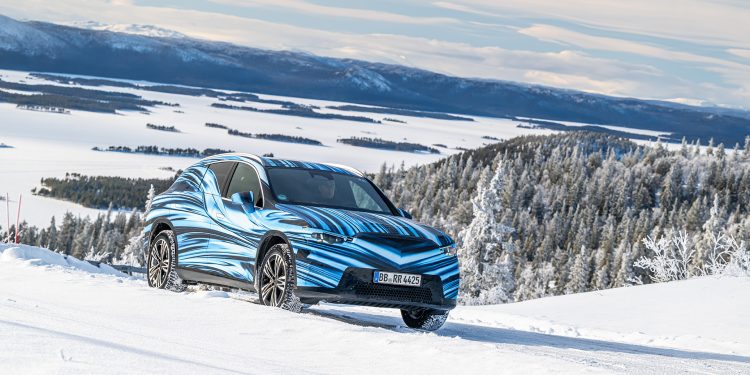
(145,30)
(39,46)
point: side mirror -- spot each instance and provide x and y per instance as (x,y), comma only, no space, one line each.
(404,213)
(245,199)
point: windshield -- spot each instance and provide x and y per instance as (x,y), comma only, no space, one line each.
(325,188)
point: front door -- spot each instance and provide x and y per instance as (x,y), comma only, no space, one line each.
(237,231)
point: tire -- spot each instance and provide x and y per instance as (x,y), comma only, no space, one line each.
(276,279)
(426,320)
(161,262)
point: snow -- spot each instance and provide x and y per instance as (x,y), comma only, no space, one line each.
(366,79)
(58,318)
(144,30)
(42,257)
(49,145)
(706,313)
(15,35)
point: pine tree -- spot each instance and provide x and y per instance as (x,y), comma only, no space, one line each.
(67,233)
(134,254)
(52,235)
(580,273)
(82,240)
(487,266)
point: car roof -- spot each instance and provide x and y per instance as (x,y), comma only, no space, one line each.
(284,163)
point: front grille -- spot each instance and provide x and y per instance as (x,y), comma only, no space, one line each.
(393,293)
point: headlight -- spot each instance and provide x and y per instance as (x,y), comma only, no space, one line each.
(449,250)
(329,238)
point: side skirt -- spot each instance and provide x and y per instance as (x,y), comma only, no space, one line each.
(193,276)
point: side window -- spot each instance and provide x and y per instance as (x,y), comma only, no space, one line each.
(221,171)
(245,179)
(362,199)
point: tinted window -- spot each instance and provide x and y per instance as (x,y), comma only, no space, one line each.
(324,188)
(221,170)
(245,179)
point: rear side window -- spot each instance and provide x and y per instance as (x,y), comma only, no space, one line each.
(221,171)
(245,179)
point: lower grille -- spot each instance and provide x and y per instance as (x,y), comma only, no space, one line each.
(393,293)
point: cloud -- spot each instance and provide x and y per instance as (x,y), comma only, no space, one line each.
(355,13)
(590,42)
(576,60)
(453,58)
(744,53)
(711,22)
(737,75)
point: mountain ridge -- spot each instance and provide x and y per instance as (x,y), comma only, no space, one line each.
(47,47)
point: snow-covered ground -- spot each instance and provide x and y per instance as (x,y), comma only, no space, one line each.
(49,144)
(64,316)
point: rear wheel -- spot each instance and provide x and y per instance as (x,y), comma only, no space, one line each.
(161,263)
(424,319)
(276,279)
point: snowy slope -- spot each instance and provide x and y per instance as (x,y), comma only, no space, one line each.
(145,30)
(17,36)
(60,318)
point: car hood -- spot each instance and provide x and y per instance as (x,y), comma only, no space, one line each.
(353,223)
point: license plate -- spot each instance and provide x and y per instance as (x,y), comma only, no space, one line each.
(393,278)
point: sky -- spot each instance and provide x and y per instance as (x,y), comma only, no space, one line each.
(689,51)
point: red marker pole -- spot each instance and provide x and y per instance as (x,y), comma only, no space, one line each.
(18,216)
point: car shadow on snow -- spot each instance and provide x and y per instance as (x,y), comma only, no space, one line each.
(494,335)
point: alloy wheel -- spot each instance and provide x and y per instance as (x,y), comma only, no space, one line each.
(159,262)
(273,280)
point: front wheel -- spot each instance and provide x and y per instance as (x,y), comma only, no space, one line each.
(276,279)
(427,320)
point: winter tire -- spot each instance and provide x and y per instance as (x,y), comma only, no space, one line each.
(426,320)
(276,279)
(161,263)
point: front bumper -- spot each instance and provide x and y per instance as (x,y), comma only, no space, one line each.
(356,288)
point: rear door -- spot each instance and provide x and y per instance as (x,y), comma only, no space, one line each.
(188,216)
(212,185)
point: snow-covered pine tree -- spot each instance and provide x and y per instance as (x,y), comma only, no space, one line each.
(51,236)
(705,241)
(97,256)
(580,273)
(487,265)
(67,233)
(134,254)
(82,240)
(535,281)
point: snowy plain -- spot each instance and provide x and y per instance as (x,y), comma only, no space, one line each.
(50,144)
(61,316)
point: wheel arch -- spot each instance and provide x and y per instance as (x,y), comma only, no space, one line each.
(268,240)
(157,227)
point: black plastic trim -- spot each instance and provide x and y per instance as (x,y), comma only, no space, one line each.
(354,278)
(196,276)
